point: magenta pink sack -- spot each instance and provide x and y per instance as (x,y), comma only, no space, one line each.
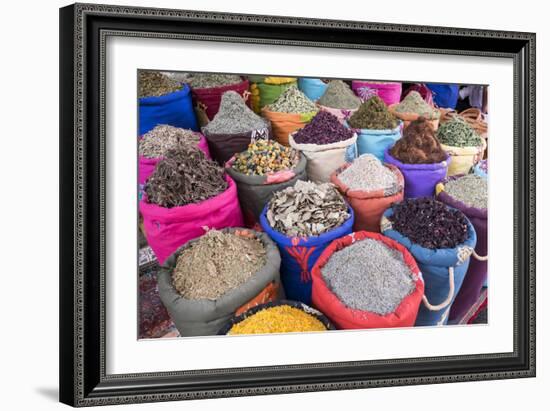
(390,92)
(167,229)
(147,165)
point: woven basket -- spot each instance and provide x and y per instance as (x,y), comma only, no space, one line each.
(472,116)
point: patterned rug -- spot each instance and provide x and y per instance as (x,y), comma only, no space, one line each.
(154,320)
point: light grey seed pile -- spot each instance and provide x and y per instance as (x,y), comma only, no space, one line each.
(471,189)
(369,276)
(234,117)
(367,173)
(206,80)
(307,209)
(339,95)
(156,142)
(293,100)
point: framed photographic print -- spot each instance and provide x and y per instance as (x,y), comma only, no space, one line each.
(261,204)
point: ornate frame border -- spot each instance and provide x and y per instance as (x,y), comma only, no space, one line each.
(83,381)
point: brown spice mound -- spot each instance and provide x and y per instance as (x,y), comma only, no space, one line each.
(418,145)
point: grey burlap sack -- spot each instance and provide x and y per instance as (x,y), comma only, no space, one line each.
(255,191)
(206,317)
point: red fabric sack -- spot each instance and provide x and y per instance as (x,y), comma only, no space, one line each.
(346,318)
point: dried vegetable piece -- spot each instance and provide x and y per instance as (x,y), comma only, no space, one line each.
(217,263)
(373,114)
(418,145)
(184,176)
(294,101)
(206,80)
(429,223)
(414,103)
(369,276)
(234,117)
(470,189)
(367,173)
(163,138)
(323,129)
(339,95)
(265,156)
(154,84)
(279,319)
(458,133)
(307,209)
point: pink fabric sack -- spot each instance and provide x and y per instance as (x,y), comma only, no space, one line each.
(390,92)
(167,229)
(147,165)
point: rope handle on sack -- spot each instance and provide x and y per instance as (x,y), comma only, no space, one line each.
(479,257)
(449,297)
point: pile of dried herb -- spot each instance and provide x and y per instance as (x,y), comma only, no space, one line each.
(367,173)
(163,138)
(324,128)
(154,84)
(429,223)
(217,263)
(184,176)
(458,133)
(369,276)
(307,209)
(414,103)
(418,145)
(206,80)
(265,156)
(278,319)
(373,114)
(234,117)
(339,95)
(483,166)
(294,101)
(469,189)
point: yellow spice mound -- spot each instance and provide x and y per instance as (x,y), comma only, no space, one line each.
(280,319)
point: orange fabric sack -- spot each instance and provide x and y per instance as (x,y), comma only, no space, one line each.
(369,206)
(283,124)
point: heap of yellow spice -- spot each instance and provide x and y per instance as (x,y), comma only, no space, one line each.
(279,319)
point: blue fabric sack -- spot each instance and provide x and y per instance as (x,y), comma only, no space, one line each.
(299,254)
(434,266)
(375,142)
(444,95)
(174,109)
(313,88)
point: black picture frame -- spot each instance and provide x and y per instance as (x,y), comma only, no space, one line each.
(83,30)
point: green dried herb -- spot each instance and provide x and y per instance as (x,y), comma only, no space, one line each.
(373,114)
(458,133)
(293,100)
(414,103)
(154,84)
(339,95)
(206,80)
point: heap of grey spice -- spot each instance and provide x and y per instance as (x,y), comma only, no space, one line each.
(307,209)
(234,117)
(294,101)
(206,80)
(367,173)
(184,176)
(369,276)
(414,103)
(154,84)
(469,189)
(339,95)
(163,138)
(216,263)
(458,133)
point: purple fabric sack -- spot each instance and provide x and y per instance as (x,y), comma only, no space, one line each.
(420,179)
(477,271)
